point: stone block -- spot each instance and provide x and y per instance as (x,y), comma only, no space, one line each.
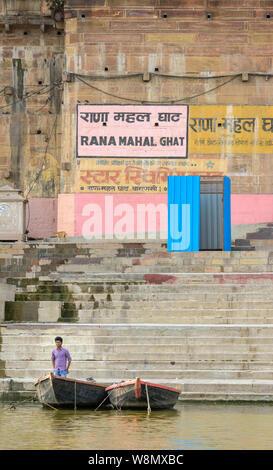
(133,3)
(215,50)
(260,38)
(49,311)
(21,311)
(71,25)
(185,13)
(212,26)
(185,4)
(170,38)
(234,3)
(233,13)
(137,26)
(213,269)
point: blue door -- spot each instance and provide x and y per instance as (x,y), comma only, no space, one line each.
(227,214)
(183,213)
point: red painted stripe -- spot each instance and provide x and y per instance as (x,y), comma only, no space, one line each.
(241,278)
(121,384)
(132,382)
(161,386)
(66,379)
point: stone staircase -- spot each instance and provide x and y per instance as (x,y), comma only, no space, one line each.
(259,240)
(200,321)
(183,298)
(207,362)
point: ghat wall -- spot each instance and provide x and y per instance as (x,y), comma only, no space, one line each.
(213,55)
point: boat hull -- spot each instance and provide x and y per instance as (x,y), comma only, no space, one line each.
(61,392)
(141,395)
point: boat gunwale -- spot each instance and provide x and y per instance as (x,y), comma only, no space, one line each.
(142,382)
(67,379)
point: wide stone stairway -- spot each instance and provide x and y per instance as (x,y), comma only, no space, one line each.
(200,321)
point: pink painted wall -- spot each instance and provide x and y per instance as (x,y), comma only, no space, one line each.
(251,208)
(83,214)
(120,213)
(66,213)
(41,217)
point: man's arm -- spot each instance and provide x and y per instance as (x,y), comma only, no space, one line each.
(53,360)
(69,361)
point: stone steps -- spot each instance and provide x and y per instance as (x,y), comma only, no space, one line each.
(205,361)
(34,332)
(179,298)
(161,269)
(26,342)
(160,296)
(21,390)
(143,258)
(226,397)
(37,311)
(130,354)
(192,321)
(86,301)
(249,387)
(201,321)
(117,374)
(124,351)
(214,278)
(122,283)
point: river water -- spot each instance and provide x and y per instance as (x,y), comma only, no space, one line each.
(189,426)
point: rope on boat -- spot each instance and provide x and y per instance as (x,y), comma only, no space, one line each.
(148,399)
(108,395)
(50,406)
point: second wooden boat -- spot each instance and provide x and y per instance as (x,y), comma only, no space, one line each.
(139,394)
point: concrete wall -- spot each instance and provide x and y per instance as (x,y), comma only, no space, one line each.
(114,215)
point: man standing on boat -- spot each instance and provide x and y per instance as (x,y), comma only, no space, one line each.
(60,358)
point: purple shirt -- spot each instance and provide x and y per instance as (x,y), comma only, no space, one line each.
(60,356)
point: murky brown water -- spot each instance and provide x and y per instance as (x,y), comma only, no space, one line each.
(188,426)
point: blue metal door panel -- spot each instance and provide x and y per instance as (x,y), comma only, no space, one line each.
(183,213)
(227,214)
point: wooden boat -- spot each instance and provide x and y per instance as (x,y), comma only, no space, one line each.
(142,395)
(60,392)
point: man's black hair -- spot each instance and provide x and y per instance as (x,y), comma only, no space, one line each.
(58,338)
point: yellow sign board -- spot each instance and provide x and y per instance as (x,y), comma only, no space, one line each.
(227,130)
(140,176)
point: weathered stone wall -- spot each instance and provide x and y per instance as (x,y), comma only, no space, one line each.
(200,39)
(30,50)
(31,62)
(172,37)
